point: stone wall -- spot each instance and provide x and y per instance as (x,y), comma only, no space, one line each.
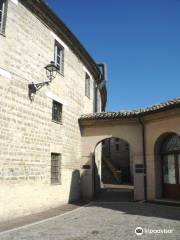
(27,133)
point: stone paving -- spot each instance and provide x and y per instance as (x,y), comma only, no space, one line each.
(104,221)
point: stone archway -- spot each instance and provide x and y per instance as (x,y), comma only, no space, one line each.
(92,135)
(113,170)
(113,162)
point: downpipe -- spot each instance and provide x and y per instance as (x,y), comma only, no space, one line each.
(144,156)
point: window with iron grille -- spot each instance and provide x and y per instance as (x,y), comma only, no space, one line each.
(59,57)
(3,15)
(55,168)
(87,86)
(57,112)
(117,147)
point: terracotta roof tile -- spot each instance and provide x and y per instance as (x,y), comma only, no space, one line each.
(173,103)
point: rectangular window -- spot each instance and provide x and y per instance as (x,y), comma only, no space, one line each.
(59,57)
(87,86)
(57,111)
(3,14)
(55,168)
(117,147)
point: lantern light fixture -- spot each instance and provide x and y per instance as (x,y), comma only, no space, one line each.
(51,71)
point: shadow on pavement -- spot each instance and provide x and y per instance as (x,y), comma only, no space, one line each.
(141,209)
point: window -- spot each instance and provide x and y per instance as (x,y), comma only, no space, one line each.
(117,147)
(57,111)
(59,57)
(97,107)
(55,168)
(3,14)
(87,86)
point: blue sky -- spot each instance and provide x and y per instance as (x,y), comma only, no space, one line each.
(138,39)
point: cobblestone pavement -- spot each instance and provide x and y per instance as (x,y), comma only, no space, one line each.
(104,221)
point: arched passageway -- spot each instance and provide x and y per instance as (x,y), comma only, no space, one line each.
(113,166)
(167,166)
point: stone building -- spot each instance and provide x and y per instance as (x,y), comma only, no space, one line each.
(51,132)
(40,138)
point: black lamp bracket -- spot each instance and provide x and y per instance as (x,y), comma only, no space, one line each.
(37,86)
(34,87)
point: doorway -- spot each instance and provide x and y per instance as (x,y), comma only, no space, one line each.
(170,157)
(113,169)
(115,162)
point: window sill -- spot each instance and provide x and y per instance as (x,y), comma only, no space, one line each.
(61,74)
(54,121)
(55,184)
(2,34)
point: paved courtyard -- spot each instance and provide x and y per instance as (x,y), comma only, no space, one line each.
(104,221)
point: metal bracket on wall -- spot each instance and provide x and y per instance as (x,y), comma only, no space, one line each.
(34,87)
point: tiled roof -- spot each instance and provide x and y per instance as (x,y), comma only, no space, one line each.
(173,103)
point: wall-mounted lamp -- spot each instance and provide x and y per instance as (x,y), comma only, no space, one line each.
(51,71)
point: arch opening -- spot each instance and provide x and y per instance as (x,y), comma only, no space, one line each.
(113,164)
(167,166)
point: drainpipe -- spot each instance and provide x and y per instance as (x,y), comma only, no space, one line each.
(94,176)
(144,156)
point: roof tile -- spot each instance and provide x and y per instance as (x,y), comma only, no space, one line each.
(173,103)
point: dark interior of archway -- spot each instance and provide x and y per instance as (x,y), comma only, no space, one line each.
(115,162)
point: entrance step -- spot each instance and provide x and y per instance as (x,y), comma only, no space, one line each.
(115,195)
(118,186)
(163,201)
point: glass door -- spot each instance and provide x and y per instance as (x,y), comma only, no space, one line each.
(171,178)
(169,171)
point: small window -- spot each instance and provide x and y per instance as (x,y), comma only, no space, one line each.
(87,86)
(59,57)
(97,99)
(117,147)
(57,112)
(127,147)
(55,168)
(3,15)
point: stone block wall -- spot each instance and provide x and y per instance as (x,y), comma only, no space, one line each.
(27,134)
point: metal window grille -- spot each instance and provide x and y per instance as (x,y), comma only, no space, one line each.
(95,97)
(59,57)
(55,168)
(117,147)
(3,9)
(87,86)
(56,111)
(171,144)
